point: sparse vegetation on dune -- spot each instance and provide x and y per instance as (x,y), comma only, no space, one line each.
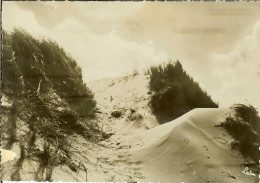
(116,114)
(174,92)
(49,102)
(244,126)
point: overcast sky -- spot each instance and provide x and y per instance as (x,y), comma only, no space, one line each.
(217,43)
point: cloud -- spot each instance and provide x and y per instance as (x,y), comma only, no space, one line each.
(237,73)
(50,14)
(105,55)
(190,31)
(13,16)
(98,17)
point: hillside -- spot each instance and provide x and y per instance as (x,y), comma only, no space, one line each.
(191,148)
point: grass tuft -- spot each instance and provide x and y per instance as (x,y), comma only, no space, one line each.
(244,127)
(174,92)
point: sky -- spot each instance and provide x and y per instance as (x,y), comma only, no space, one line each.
(217,43)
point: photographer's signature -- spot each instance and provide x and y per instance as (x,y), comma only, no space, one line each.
(246,171)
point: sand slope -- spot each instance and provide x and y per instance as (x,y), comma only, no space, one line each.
(189,149)
(124,94)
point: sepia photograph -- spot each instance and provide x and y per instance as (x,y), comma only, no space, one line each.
(130,91)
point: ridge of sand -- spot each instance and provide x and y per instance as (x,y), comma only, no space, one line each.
(189,149)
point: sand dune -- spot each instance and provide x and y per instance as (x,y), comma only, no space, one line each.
(189,149)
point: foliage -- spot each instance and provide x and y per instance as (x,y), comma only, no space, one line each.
(175,92)
(244,126)
(48,94)
(134,116)
(116,114)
